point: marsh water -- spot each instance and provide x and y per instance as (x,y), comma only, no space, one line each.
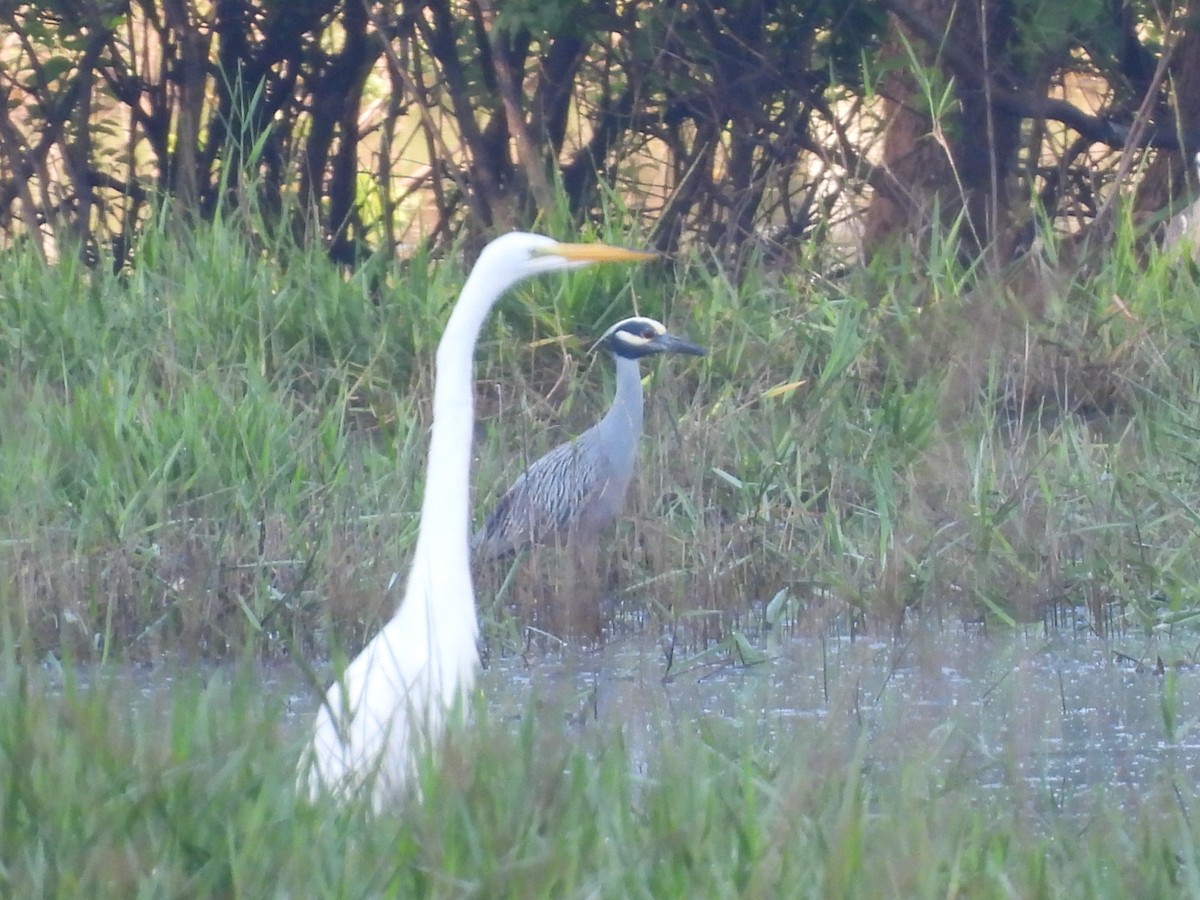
(1066,716)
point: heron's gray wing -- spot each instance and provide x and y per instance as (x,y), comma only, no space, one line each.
(544,500)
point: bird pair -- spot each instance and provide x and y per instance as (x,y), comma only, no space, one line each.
(392,701)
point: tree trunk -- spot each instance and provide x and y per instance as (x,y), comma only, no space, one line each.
(184,167)
(953,170)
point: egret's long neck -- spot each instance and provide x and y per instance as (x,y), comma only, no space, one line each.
(445,510)
(625,416)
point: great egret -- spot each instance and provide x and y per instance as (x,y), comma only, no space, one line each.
(392,701)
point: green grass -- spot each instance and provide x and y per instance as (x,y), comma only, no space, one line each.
(218,454)
(190,793)
(220,449)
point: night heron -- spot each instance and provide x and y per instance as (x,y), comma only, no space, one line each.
(393,699)
(578,488)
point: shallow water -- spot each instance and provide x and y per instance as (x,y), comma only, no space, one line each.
(1065,717)
(1068,717)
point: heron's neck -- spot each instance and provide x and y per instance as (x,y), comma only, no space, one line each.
(625,416)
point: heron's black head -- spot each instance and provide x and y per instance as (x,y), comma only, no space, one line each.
(639,336)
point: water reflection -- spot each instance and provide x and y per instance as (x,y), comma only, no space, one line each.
(1065,716)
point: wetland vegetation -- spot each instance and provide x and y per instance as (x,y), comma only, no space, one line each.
(905,599)
(215,457)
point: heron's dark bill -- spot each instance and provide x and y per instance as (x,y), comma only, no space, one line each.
(669,343)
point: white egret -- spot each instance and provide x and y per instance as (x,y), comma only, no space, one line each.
(391,702)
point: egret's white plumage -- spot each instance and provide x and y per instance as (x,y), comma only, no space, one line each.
(393,699)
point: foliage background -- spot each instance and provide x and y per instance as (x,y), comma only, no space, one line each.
(744,127)
(950,370)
